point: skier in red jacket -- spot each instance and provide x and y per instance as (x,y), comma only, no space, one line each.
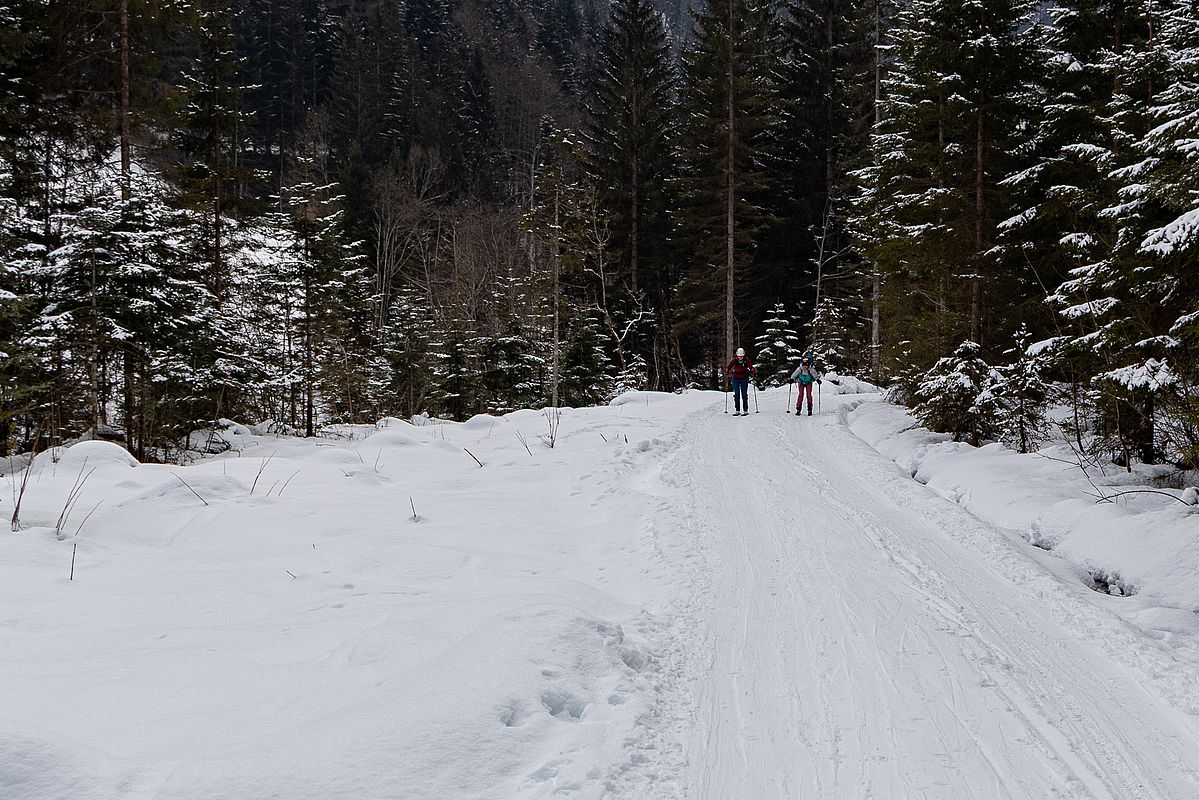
(738,373)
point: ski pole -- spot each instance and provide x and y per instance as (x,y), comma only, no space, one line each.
(726,397)
(818,386)
(756,409)
(788,397)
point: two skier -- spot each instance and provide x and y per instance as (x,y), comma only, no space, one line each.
(803,377)
(741,369)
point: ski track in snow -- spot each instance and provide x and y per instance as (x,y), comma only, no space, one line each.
(856,643)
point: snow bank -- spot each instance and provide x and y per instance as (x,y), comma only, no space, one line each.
(365,614)
(644,398)
(1140,543)
(847,384)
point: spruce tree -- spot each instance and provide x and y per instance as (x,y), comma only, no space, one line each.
(950,134)
(777,348)
(211,128)
(586,370)
(729,105)
(454,391)
(1122,294)
(827,73)
(956,396)
(1023,395)
(630,127)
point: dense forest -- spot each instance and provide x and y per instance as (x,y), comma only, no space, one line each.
(299,212)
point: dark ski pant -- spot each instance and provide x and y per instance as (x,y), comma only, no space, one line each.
(803,387)
(740,393)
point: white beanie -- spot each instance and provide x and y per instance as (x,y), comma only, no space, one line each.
(740,351)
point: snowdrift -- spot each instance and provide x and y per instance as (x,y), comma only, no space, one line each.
(1141,546)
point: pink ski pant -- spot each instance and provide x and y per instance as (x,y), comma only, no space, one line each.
(803,387)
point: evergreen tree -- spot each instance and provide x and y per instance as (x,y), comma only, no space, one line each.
(586,370)
(1023,396)
(454,390)
(128,318)
(729,103)
(630,128)
(1125,285)
(778,347)
(406,357)
(951,131)
(212,126)
(957,396)
(832,335)
(828,77)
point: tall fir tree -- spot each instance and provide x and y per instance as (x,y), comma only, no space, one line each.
(951,132)
(729,106)
(630,133)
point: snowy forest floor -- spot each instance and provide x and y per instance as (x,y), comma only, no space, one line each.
(668,603)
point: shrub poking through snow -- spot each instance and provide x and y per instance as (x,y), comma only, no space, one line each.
(957,396)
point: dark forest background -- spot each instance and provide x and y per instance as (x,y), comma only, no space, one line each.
(307,212)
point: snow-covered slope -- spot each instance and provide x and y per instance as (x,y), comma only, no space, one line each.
(669,603)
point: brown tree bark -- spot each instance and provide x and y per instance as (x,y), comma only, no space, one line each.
(730,204)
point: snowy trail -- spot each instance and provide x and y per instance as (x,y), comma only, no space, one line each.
(670,603)
(855,648)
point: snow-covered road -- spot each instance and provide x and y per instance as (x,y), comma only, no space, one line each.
(857,646)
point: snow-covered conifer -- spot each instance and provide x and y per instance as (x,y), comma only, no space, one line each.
(777,348)
(957,396)
(1023,395)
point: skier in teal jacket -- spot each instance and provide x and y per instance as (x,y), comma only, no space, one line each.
(804,376)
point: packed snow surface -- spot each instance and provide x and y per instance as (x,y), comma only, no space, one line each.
(670,602)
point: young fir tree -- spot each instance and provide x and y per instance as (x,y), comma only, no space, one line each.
(957,396)
(587,378)
(128,317)
(1023,396)
(405,360)
(21,381)
(831,336)
(453,366)
(512,353)
(729,103)
(777,348)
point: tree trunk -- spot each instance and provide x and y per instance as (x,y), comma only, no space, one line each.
(730,205)
(125,144)
(634,240)
(556,265)
(93,367)
(876,284)
(976,284)
(309,379)
(635,194)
